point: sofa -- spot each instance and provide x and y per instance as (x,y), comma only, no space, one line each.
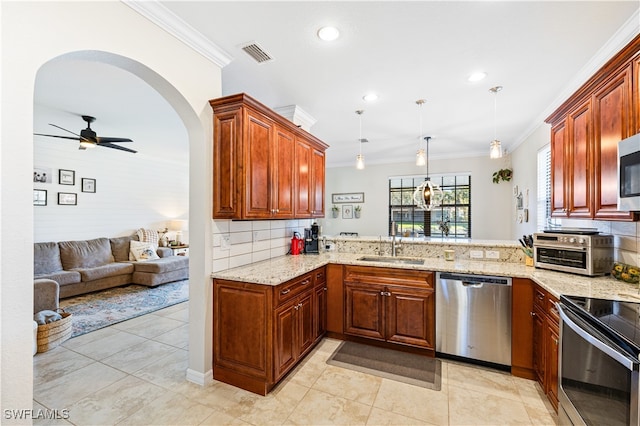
(85,266)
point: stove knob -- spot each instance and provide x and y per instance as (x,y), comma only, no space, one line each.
(581,241)
(572,240)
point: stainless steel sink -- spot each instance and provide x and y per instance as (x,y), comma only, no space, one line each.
(397,260)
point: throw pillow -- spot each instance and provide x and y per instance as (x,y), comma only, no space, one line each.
(149,236)
(142,251)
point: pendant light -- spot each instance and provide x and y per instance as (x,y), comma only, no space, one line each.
(495,147)
(421,156)
(427,195)
(360,157)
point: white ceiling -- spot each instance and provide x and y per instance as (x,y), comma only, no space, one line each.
(539,51)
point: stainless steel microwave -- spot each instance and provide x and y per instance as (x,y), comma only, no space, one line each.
(629,174)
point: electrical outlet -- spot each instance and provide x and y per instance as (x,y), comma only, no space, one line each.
(492,254)
(476,254)
(255,236)
(225,242)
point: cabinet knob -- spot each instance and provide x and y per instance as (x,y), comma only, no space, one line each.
(533,314)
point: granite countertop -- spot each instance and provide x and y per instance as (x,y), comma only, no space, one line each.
(281,269)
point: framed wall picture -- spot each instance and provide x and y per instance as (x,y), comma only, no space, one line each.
(67,199)
(347,211)
(39,197)
(66,177)
(88,185)
(42,174)
(351,197)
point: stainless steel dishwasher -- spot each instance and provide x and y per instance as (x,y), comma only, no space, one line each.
(473,317)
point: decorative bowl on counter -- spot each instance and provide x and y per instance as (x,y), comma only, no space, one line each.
(627,273)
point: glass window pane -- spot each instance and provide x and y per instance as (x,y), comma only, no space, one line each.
(449,180)
(462,180)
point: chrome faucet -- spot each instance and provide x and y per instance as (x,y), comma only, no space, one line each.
(394,244)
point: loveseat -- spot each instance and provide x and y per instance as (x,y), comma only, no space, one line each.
(89,265)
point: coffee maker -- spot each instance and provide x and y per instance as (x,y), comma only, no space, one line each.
(311,242)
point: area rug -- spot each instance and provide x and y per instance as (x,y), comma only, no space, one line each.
(391,364)
(104,308)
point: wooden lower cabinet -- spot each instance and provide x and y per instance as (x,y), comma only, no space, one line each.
(546,343)
(261,331)
(391,305)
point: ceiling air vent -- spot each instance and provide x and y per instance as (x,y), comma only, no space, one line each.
(256,52)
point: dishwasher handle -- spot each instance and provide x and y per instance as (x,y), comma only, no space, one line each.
(472,284)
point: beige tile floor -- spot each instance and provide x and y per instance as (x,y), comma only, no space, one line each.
(133,373)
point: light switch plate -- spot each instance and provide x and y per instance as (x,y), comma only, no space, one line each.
(476,254)
(225,242)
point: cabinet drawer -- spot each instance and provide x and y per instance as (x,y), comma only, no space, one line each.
(540,298)
(319,276)
(288,290)
(552,311)
(389,276)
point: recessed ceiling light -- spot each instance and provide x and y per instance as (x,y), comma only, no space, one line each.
(369,97)
(477,76)
(328,33)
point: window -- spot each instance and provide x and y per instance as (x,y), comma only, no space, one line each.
(455,208)
(544,188)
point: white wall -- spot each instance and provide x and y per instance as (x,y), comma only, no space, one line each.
(132,191)
(524,160)
(492,204)
(32,34)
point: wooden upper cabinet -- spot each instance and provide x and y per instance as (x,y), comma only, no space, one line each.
(585,131)
(579,189)
(559,168)
(317,183)
(613,118)
(284,174)
(258,161)
(255,163)
(303,178)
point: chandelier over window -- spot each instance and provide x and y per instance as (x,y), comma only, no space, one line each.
(427,195)
(421,156)
(495,147)
(360,157)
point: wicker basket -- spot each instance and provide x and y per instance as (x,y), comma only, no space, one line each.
(53,334)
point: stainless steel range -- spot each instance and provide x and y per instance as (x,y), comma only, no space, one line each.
(581,251)
(599,362)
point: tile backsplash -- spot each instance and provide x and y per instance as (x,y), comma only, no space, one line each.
(238,243)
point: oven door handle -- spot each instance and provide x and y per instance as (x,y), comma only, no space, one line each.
(619,357)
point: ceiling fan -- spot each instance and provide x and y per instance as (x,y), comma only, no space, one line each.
(89,139)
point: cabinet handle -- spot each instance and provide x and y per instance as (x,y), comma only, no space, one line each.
(385,293)
(325,289)
(556,341)
(540,296)
(305,282)
(285,291)
(533,314)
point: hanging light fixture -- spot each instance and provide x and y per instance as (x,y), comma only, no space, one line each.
(360,157)
(427,195)
(421,156)
(495,147)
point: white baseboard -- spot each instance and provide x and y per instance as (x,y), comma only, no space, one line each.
(202,379)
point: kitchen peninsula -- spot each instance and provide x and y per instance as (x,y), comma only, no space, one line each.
(285,305)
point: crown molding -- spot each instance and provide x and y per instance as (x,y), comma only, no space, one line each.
(174,25)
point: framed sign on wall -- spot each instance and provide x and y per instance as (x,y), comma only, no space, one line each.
(350,197)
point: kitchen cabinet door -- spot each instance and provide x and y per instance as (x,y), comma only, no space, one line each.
(539,349)
(317,183)
(227,152)
(559,172)
(285,338)
(636,96)
(283,174)
(260,134)
(580,183)
(552,344)
(303,159)
(335,299)
(410,316)
(522,328)
(613,117)
(364,310)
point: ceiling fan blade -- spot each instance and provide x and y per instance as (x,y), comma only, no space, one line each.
(57,136)
(110,145)
(103,140)
(69,131)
